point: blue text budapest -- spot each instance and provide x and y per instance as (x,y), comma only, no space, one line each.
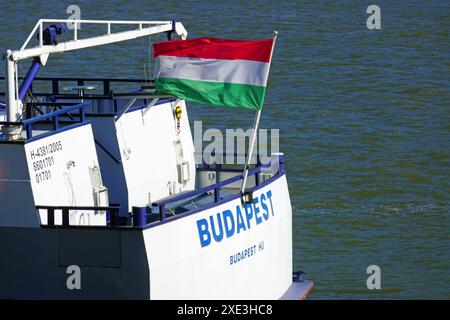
(235,220)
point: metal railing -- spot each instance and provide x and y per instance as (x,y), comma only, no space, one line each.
(54,118)
(162,205)
(55,84)
(111,211)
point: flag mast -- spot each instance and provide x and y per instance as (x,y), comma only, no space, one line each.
(245,197)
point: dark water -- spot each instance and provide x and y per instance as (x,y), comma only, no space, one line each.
(364,118)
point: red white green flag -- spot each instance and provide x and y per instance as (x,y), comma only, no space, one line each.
(214,71)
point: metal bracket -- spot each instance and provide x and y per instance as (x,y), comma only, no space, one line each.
(125,109)
(151,104)
(247,197)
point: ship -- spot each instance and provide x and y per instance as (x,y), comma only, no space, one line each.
(102,196)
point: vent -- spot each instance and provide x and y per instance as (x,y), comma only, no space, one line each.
(184,174)
(100,192)
(96,178)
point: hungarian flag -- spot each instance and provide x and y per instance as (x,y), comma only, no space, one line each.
(214,71)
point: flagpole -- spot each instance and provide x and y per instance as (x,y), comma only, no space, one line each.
(254,132)
(250,150)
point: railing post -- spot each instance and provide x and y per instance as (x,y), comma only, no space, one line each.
(258,165)
(162,212)
(82,114)
(217,194)
(55,122)
(28,112)
(281,163)
(115,106)
(75,31)
(41,35)
(112,217)
(50,216)
(55,86)
(106,87)
(65,217)
(139,216)
(217,168)
(29,130)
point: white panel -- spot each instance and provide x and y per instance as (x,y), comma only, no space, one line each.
(111,168)
(180,268)
(60,176)
(149,159)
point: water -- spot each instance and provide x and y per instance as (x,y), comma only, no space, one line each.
(364,118)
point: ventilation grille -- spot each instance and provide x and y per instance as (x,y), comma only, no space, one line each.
(96,178)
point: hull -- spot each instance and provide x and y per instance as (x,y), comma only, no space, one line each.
(165,260)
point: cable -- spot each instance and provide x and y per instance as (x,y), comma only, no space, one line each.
(73,201)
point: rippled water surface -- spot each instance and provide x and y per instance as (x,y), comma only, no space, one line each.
(364,118)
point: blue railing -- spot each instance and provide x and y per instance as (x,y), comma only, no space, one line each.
(140,214)
(161,205)
(54,118)
(57,81)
